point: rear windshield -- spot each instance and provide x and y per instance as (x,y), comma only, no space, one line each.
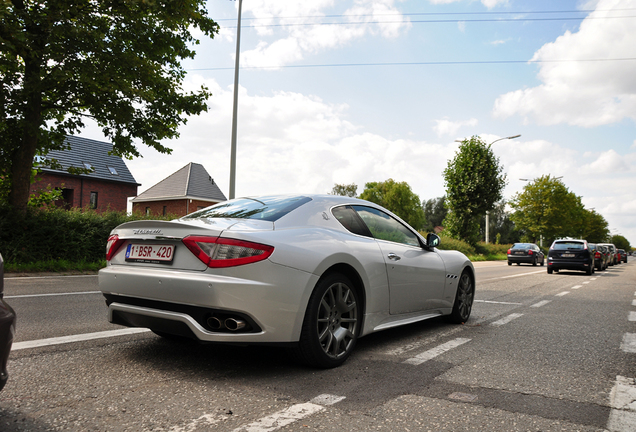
(521,245)
(568,245)
(268,208)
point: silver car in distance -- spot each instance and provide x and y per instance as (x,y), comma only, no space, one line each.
(312,272)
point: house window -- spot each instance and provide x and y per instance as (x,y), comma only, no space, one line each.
(93,201)
(67,199)
(112,170)
(147,211)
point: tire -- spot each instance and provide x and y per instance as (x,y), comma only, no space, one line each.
(589,270)
(549,270)
(332,323)
(509,263)
(542,262)
(534,262)
(463,300)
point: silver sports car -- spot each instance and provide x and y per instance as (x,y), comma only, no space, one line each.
(311,272)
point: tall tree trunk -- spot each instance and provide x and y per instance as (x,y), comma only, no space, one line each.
(22,161)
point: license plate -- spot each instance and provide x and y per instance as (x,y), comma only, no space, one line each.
(568,255)
(519,253)
(153,254)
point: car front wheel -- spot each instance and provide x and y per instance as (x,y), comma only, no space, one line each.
(463,300)
(332,323)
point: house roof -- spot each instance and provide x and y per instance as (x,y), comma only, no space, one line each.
(192,182)
(86,151)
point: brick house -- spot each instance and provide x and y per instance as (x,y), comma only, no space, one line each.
(106,188)
(189,189)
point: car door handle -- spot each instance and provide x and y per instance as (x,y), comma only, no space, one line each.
(394,257)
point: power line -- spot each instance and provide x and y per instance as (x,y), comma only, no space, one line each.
(431,63)
(432,14)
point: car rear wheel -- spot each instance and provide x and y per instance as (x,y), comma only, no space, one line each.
(332,323)
(463,300)
(534,262)
(549,270)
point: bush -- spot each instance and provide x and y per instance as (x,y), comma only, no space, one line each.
(57,235)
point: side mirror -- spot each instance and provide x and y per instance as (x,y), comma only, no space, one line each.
(432,240)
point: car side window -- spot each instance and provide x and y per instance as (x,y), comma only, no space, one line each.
(349,219)
(384,227)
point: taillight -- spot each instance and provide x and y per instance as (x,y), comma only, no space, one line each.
(113,244)
(597,255)
(530,252)
(222,252)
(509,251)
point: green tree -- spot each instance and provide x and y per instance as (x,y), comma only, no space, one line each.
(474,182)
(398,198)
(501,228)
(547,208)
(116,62)
(596,227)
(349,190)
(621,242)
(434,213)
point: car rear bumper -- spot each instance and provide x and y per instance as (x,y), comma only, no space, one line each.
(569,265)
(271,305)
(7,333)
(521,258)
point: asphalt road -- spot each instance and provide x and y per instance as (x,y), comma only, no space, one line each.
(540,353)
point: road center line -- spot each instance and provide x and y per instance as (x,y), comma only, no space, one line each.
(541,303)
(577,286)
(290,415)
(52,294)
(496,302)
(76,338)
(512,276)
(432,353)
(561,294)
(507,319)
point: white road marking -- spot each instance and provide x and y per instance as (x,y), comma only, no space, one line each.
(632,316)
(593,279)
(622,417)
(512,276)
(428,341)
(206,420)
(507,319)
(52,294)
(561,294)
(629,343)
(541,303)
(432,353)
(633,302)
(496,302)
(290,415)
(76,338)
(577,286)
(586,282)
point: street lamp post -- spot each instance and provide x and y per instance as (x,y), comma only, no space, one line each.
(235,107)
(487,213)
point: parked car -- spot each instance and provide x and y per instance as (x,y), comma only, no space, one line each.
(601,256)
(525,253)
(623,255)
(569,254)
(7,329)
(612,253)
(311,272)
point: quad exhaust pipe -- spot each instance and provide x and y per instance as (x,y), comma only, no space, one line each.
(232,324)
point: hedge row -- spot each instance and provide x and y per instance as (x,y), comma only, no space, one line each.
(58,235)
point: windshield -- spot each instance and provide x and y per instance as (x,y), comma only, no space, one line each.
(568,245)
(268,208)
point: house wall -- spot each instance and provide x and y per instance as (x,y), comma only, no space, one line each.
(110,195)
(179,207)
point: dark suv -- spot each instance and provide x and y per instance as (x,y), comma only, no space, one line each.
(601,256)
(569,254)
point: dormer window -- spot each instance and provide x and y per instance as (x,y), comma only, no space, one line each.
(88,166)
(112,170)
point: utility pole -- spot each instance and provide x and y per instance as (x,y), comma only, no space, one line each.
(235,108)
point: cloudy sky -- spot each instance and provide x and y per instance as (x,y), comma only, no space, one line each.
(354,91)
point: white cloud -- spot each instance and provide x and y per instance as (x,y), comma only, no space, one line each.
(448,127)
(582,93)
(488,3)
(305,39)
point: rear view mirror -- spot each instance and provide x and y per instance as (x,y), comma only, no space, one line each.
(432,240)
